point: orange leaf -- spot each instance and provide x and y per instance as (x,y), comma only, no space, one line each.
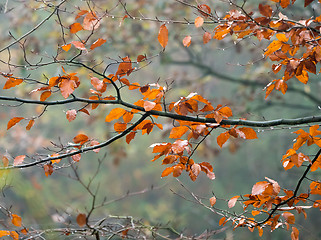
(67,86)
(16,220)
(120,127)
(289,217)
(222,220)
(66,47)
(167,171)
(124,67)
(177,132)
(115,114)
(81,219)
(222,138)
(91,21)
(249,133)
(12,82)
(149,105)
(187,41)
(207,37)
(204,9)
(232,201)
(295,234)
(13,121)
(30,124)
(163,36)
(75,27)
(4,233)
(212,201)
(199,22)
(97,43)
(5,161)
(71,115)
(80,138)
(79,45)
(255,212)
(45,95)
(127,117)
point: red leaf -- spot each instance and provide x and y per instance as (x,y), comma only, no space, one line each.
(75,27)
(130,137)
(18,160)
(71,115)
(98,43)
(187,41)
(140,58)
(13,121)
(204,9)
(163,36)
(81,219)
(232,201)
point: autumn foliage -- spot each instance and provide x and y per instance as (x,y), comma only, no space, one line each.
(293,50)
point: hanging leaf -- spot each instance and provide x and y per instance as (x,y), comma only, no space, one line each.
(12,82)
(212,201)
(207,37)
(199,22)
(187,41)
(13,121)
(81,219)
(71,115)
(232,201)
(48,169)
(120,127)
(178,132)
(30,124)
(149,105)
(289,217)
(222,138)
(45,95)
(163,36)
(66,47)
(79,45)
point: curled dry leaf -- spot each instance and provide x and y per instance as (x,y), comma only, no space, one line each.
(212,201)
(187,41)
(18,160)
(71,115)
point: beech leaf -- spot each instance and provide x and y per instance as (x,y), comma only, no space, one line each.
(13,121)
(163,36)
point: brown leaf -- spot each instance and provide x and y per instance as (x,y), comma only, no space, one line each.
(71,115)
(76,157)
(81,219)
(13,121)
(207,37)
(79,45)
(80,138)
(163,36)
(295,234)
(130,137)
(140,58)
(45,95)
(265,10)
(5,161)
(30,124)
(222,138)
(48,169)
(120,127)
(289,217)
